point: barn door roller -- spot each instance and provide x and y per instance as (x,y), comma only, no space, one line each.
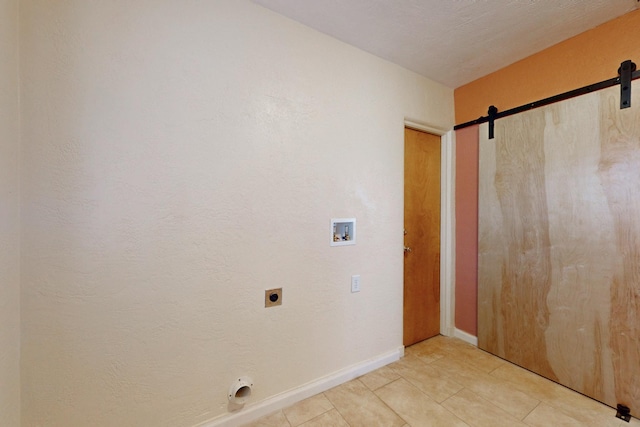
(493,112)
(626,70)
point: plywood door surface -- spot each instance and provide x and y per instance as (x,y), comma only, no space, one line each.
(422,226)
(559,244)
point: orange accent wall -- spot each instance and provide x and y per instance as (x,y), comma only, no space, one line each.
(467,229)
(587,58)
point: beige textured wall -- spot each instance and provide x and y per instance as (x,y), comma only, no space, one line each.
(9,217)
(180,158)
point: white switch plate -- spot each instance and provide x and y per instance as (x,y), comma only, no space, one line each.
(355,283)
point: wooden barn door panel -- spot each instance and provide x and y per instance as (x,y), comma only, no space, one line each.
(559,244)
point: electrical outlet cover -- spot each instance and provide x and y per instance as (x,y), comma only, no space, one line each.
(273,297)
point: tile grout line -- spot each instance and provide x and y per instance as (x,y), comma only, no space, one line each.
(385,403)
(426,395)
(337,410)
(324,413)
(529,413)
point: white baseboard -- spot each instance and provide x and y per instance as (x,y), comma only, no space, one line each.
(464,336)
(280,401)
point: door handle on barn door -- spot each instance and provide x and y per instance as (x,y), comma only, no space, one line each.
(407,249)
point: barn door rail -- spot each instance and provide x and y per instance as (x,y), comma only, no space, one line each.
(626,73)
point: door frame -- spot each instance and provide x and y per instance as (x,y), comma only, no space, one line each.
(447,223)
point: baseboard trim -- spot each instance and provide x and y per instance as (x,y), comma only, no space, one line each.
(465,336)
(255,411)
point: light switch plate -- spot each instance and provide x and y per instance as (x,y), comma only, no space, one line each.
(355,283)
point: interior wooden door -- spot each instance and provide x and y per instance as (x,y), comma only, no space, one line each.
(559,244)
(422,236)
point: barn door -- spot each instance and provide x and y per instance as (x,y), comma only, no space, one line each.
(559,244)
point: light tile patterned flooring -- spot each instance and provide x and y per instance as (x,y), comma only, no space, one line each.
(447,382)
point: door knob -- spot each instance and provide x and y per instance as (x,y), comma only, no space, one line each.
(407,249)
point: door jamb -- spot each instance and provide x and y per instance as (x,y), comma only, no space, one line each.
(447,223)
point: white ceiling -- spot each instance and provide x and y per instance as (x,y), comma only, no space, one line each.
(452,41)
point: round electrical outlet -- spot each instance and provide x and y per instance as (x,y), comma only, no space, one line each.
(273,297)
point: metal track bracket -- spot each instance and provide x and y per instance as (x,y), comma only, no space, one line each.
(624,413)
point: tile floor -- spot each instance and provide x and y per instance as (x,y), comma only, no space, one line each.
(447,382)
